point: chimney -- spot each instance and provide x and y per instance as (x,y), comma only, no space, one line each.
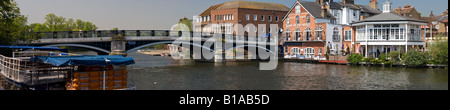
(348,2)
(324,11)
(408,6)
(374,4)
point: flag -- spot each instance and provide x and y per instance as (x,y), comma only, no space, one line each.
(373,50)
(360,49)
(392,48)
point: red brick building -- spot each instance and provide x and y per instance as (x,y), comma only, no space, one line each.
(221,17)
(305,28)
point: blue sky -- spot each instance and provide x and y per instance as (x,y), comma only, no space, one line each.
(160,14)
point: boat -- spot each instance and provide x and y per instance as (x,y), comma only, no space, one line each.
(52,68)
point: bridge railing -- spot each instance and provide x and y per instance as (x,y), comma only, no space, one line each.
(98,34)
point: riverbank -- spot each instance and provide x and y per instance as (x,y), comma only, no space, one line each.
(335,62)
(155,52)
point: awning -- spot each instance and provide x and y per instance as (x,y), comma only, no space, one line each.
(32,47)
(104,60)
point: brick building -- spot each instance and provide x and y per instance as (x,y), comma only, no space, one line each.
(222,17)
(311,27)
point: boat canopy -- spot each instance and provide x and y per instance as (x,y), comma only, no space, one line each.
(102,60)
(33,47)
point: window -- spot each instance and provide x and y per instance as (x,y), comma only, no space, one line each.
(288,35)
(297,34)
(263,29)
(287,21)
(255,17)
(336,35)
(308,19)
(319,31)
(297,9)
(232,17)
(262,17)
(277,19)
(297,19)
(247,17)
(348,35)
(308,34)
(309,52)
(320,51)
(295,51)
(270,18)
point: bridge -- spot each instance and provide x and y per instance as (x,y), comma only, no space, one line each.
(108,41)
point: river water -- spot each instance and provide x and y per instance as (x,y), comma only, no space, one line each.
(165,73)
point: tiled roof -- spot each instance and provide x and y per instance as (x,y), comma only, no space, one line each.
(441,17)
(207,12)
(253,5)
(315,9)
(368,9)
(388,17)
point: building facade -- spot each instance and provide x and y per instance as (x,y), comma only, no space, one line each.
(311,27)
(223,18)
(387,32)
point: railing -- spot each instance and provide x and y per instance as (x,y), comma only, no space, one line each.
(87,36)
(110,33)
(23,71)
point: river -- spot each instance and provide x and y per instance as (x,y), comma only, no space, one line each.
(164,73)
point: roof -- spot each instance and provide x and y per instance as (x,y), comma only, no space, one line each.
(368,9)
(207,12)
(102,60)
(253,5)
(314,9)
(388,17)
(441,18)
(32,47)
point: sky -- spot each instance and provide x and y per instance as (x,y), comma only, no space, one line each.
(161,14)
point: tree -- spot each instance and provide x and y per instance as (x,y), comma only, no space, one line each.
(59,23)
(416,59)
(185,21)
(439,51)
(12,24)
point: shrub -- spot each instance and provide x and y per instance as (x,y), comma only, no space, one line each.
(394,57)
(375,61)
(416,59)
(382,57)
(439,52)
(354,59)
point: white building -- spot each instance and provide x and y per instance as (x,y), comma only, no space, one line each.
(387,32)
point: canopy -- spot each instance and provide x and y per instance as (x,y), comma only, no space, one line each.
(104,60)
(33,47)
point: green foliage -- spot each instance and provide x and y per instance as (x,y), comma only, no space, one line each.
(375,61)
(416,59)
(184,21)
(59,23)
(115,29)
(382,57)
(394,57)
(439,52)
(370,59)
(354,59)
(13,25)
